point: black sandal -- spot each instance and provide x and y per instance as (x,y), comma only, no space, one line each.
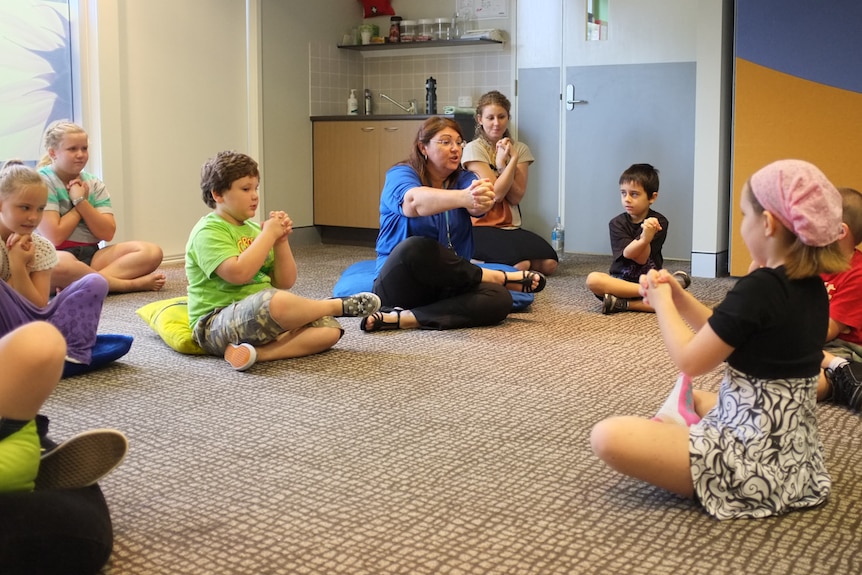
(379,324)
(526,281)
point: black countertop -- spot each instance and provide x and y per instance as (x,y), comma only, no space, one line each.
(385,117)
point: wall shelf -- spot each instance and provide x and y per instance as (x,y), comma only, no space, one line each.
(431,46)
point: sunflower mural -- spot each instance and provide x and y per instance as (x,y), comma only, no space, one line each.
(35,73)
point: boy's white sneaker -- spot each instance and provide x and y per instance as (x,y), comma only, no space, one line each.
(82,460)
(240,356)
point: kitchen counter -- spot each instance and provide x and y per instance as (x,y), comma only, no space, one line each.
(384,117)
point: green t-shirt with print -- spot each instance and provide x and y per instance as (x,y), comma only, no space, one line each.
(212,241)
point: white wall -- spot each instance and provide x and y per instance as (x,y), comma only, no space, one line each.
(286,30)
(712,193)
(166,89)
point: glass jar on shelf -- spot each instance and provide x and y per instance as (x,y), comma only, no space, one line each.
(442,28)
(425,30)
(408,31)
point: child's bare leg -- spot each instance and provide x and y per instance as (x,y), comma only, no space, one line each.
(130,266)
(32,358)
(639,305)
(652,451)
(704,401)
(299,343)
(601,283)
(547,267)
(68,270)
(292,311)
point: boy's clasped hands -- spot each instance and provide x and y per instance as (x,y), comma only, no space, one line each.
(279,224)
(651,227)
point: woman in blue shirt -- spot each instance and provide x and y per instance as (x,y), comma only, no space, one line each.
(424,275)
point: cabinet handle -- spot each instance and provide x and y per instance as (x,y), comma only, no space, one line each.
(367,128)
(391,129)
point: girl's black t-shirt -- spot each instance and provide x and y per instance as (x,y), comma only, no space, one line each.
(777,326)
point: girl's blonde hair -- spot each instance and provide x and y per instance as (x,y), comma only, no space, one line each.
(802,260)
(53,137)
(14,174)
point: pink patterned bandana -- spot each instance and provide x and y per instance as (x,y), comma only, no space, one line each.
(802,198)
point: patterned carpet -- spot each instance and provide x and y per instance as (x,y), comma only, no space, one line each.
(462,452)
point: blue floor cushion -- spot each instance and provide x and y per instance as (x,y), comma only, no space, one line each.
(360,277)
(109,347)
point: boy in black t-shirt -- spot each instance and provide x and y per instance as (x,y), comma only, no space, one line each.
(637,236)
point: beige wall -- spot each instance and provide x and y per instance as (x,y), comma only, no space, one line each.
(162,94)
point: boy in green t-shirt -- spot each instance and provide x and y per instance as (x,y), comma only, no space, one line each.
(239,272)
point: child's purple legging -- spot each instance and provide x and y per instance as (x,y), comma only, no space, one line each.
(75,311)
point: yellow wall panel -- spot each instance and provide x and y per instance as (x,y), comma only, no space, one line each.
(779,116)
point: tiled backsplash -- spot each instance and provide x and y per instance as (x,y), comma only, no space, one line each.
(333,72)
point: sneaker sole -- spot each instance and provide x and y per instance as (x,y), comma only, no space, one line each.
(82,460)
(240,357)
(366,311)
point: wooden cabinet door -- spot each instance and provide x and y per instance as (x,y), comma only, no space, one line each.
(396,143)
(346,174)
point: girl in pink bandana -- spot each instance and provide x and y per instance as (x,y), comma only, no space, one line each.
(753,449)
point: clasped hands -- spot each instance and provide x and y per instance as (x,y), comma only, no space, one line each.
(82,192)
(650,227)
(656,284)
(480,196)
(20,249)
(505,153)
(280,224)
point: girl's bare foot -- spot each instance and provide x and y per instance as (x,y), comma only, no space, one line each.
(150,282)
(154,281)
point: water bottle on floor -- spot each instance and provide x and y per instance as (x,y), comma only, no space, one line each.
(558,238)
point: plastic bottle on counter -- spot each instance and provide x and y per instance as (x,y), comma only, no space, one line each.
(558,239)
(367,102)
(352,103)
(431,96)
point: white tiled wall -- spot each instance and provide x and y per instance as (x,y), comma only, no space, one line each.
(333,72)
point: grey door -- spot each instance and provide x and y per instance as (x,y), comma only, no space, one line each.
(638,93)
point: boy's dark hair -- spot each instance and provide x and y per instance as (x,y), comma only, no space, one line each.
(851,203)
(645,175)
(221,171)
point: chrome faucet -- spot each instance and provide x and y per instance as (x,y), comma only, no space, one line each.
(411,109)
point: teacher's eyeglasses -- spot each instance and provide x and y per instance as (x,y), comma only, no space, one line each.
(448,143)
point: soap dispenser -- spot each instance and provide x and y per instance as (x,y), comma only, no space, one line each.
(352,104)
